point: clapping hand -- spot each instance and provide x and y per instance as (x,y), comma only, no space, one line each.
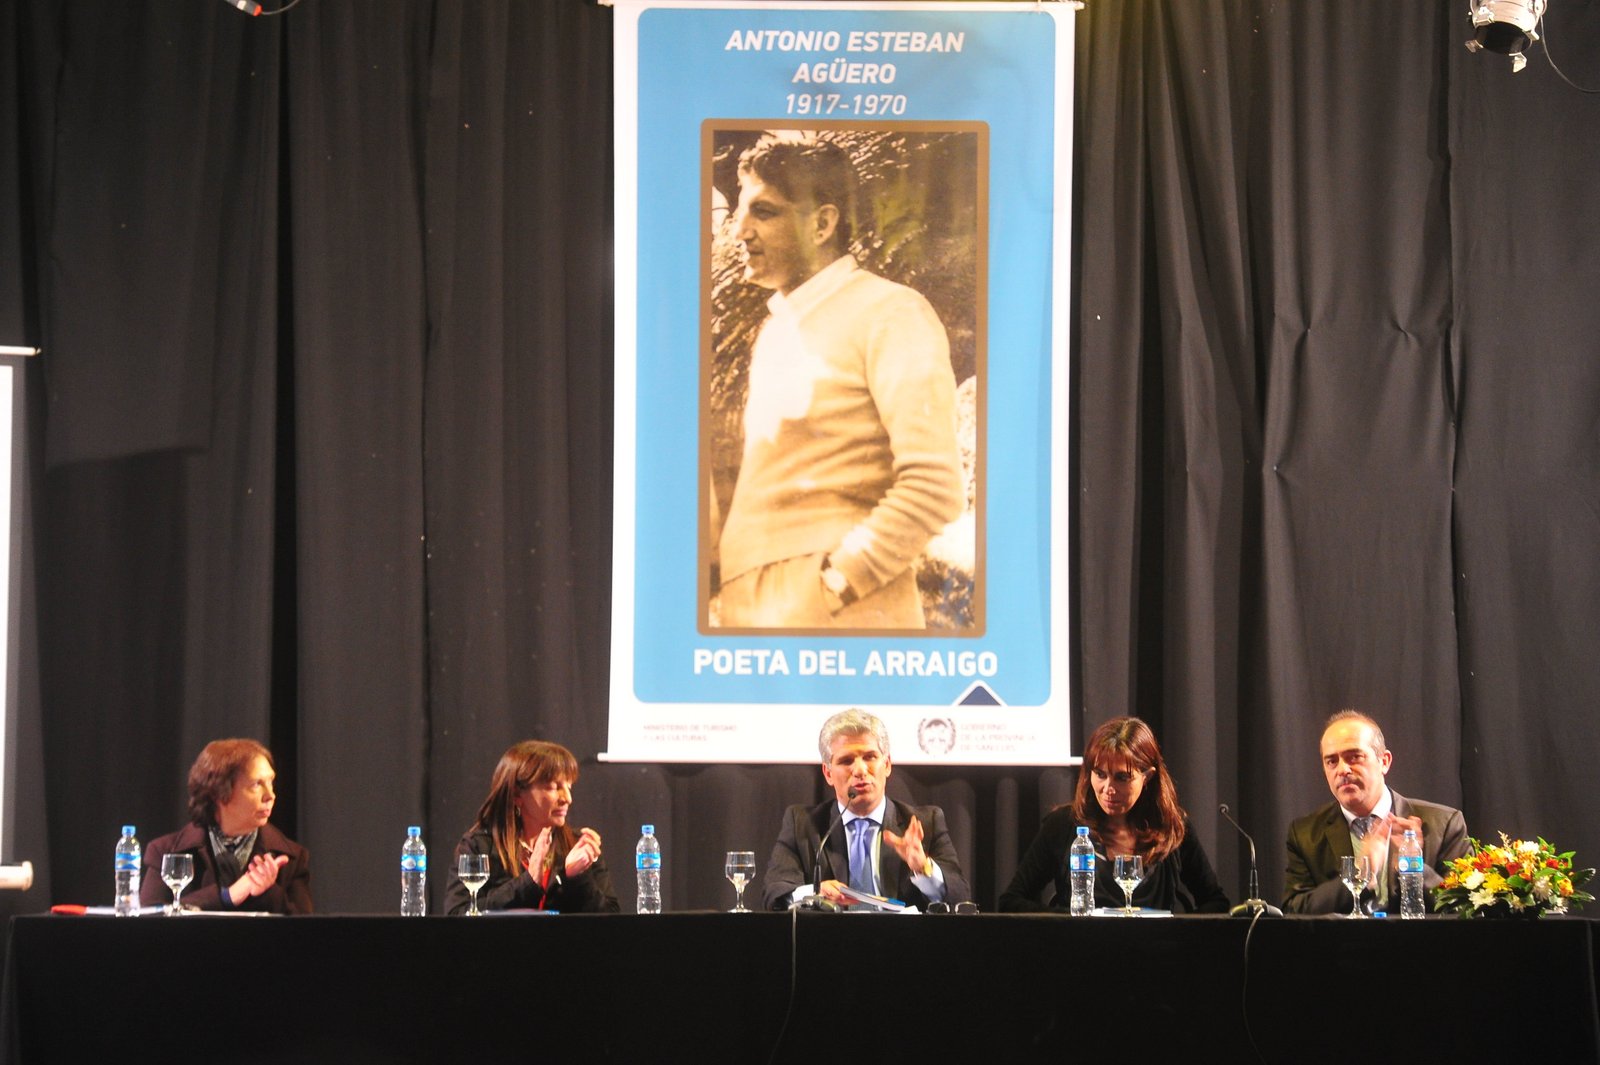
(585,853)
(538,853)
(1391,828)
(1375,844)
(259,875)
(1398,825)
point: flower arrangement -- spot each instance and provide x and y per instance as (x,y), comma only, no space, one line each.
(1519,878)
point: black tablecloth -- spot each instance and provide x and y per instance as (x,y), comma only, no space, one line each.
(716,988)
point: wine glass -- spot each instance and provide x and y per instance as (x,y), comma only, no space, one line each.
(1129,871)
(473,869)
(740,868)
(177,870)
(1356,872)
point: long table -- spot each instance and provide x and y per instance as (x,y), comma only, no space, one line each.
(738,988)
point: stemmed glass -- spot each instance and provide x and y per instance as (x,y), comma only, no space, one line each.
(1356,872)
(177,870)
(1129,871)
(473,869)
(740,867)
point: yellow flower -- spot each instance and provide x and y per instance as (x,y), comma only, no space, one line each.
(1453,880)
(1494,883)
(1564,886)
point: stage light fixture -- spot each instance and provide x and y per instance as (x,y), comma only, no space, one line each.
(1505,26)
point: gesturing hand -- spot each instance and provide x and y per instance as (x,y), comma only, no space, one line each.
(909,846)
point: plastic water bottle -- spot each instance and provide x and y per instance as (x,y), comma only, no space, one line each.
(413,875)
(647,861)
(1409,865)
(1080,867)
(125,900)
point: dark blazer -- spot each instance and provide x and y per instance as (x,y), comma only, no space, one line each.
(794,855)
(291,894)
(588,892)
(1318,840)
(1182,882)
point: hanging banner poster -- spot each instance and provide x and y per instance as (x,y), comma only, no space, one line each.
(842,458)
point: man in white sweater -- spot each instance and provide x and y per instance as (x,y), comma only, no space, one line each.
(850,461)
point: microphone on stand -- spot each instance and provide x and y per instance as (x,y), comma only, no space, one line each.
(1254,904)
(815,901)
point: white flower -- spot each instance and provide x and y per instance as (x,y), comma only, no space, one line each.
(1482,898)
(1542,890)
(1524,847)
(1516,903)
(1472,879)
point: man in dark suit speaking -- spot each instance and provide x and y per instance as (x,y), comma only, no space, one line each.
(1368,817)
(880,846)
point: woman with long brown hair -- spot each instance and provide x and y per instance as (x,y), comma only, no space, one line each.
(1128,800)
(536,860)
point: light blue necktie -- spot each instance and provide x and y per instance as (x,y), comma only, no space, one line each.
(861,872)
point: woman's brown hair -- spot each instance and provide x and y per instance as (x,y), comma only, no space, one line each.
(1156,819)
(214,774)
(523,766)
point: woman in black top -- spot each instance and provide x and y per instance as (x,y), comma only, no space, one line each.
(1130,804)
(536,862)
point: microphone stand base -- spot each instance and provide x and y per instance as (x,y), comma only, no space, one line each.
(1250,907)
(818,904)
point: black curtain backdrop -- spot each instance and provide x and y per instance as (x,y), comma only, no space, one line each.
(322,436)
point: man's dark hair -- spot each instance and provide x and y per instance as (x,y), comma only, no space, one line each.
(808,170)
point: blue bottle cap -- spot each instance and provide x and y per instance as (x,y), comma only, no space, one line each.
(414,830)
(1083,830)
(127,830)
(648,830)
(1379,913)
